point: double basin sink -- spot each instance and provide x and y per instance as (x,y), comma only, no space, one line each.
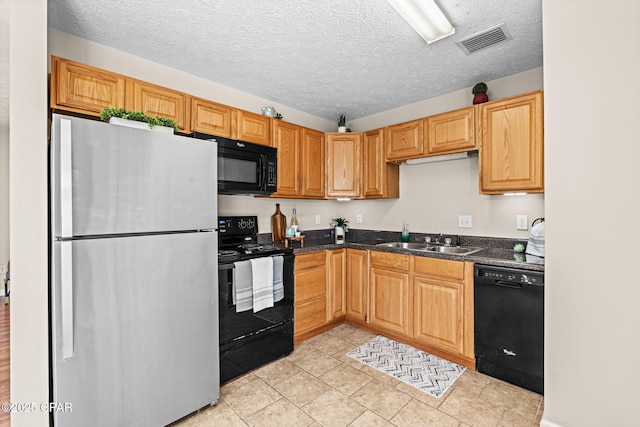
(432,247)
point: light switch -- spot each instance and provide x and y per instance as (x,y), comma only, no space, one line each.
(317,219)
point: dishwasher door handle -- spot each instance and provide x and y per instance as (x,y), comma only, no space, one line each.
(508,284)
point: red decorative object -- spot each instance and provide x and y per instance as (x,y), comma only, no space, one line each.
(480,97)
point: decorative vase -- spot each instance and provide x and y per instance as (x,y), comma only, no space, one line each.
(342,128)
(480,98)
(139,125)
(278,225)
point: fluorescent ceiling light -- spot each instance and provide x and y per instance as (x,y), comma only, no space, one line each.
(425,17)
(442,158)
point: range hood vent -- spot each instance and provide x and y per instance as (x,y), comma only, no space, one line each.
(443,158)
(484,39)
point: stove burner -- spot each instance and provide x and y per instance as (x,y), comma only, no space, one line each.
(249,248)
(224,253)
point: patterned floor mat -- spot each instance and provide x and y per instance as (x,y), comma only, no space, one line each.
(424,371)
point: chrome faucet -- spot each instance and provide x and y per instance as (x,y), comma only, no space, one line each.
(438,238)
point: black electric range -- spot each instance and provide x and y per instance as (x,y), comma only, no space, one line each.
(250,339)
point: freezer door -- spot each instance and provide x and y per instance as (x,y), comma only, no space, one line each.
(144,324)
(109,179)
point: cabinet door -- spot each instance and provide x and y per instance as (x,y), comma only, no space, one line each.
(343,164)
(438,313)
(84,89)
(405,140)
(380,179)
(336,260)
(511,145)
(286,138)
(310,300)
(357,284)
(254,128)
(390,296)
(158,101)
(212,118)
(312,163)
(451,132)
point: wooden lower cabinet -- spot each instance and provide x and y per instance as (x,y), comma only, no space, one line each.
(320,292)
(390,292)
(443,305)
(423,302)
(310,301)
(337,272)
(357,284)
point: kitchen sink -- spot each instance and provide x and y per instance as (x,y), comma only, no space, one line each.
(456,250)
(431,247)
(405,245)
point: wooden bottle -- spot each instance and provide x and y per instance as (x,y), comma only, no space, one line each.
(278,225)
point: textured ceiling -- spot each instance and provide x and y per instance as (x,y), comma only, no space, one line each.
(356,57)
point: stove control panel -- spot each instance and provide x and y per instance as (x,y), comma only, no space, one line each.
(238,225)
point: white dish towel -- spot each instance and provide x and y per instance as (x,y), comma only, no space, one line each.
(278,284)
(242,286)
(262,272)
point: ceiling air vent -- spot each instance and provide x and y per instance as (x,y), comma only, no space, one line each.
(485,39)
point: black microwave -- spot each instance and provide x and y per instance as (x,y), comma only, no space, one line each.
(244,167)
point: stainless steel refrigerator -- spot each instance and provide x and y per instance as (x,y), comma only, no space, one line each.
(134,283)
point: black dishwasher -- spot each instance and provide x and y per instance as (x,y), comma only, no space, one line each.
(509,325)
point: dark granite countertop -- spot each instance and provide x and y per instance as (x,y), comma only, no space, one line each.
(496,251)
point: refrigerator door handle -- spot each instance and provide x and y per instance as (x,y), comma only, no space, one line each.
(66,298)
(66,214)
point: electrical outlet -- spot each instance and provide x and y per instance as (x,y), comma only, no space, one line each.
(522,222)
(359,219)
(2,269)
(464,221)
(317,219)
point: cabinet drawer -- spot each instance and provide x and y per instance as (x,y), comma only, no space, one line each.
(389,260)
(310,260)
(439,267)
(310,284)
(310,315)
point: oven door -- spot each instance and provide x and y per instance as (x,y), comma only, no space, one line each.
(247,339)
(235,325)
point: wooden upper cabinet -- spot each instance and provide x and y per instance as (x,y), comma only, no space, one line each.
(450,132)
(212,118)
(511,145)
(380,179)
(312,165)
(286,138)
(158,101)
(254,128)
(84,89)
(343,164)
(405,140)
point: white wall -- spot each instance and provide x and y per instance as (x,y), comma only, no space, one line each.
(4,133)
(592,172)
(28,210)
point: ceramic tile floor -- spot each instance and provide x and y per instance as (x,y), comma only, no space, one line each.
(318,385)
